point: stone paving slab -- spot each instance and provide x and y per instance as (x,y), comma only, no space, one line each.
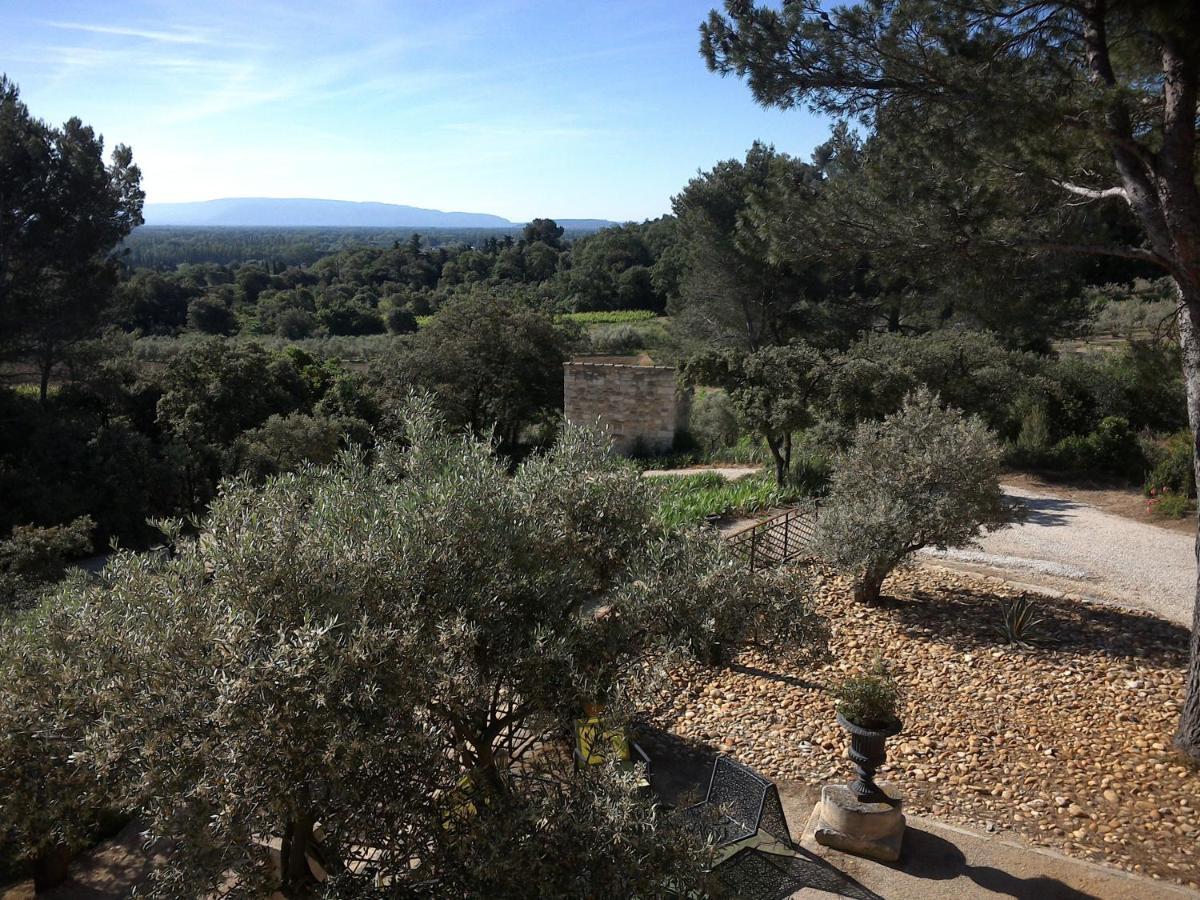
(943,861)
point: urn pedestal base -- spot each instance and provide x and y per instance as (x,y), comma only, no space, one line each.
(872,829)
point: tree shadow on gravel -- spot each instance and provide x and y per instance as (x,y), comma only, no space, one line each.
(1045,511)
(779,677)
(972,619)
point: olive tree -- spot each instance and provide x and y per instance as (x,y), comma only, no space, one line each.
(50,802)
(350,660)
(925,476)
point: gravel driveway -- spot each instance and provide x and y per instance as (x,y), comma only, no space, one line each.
(1073,547)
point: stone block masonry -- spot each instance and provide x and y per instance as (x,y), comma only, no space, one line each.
(643,407)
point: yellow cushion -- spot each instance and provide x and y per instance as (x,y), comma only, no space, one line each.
(598,743)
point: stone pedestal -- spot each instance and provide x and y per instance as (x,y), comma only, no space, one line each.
(847,823)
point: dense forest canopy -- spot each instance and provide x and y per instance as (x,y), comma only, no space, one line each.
(167,246)
(297,283)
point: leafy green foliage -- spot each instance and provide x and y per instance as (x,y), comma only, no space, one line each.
(41,554)
(771,390)
(1112,449)
(575,834)
(1173,467)
(62,213)
(49,797)
(489,362)
(610,316)
(971,371)
(869,699)
(344,644)
(712,420)
(627,267)
(1169,505)
(284,443)
(33,556)
(734,291)
(615,340)
(923,476)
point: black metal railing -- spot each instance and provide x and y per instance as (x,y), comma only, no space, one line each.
(777,540)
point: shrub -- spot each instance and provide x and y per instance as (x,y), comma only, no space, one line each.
(1033,440)
(33,556)
(924,476)
(870,699)
(969,370)
(812,470)
(210,315)
(284,443)
(1112,449)
(1170,506)
(615,340)
(1173,470)
(350,643)
(51,796)
(749,449)
(41,554)
(295,324)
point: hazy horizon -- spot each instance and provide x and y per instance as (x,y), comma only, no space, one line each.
(518,109)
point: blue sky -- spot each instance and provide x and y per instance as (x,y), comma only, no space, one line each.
(597,108)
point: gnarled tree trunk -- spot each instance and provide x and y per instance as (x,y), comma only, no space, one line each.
(868,588)
(294,849)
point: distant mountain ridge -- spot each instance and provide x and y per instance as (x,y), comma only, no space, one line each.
(295,212)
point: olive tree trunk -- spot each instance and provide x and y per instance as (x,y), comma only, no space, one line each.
(51,867)
(294,851)
(868,587)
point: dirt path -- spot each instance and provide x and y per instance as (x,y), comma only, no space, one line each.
(1071,546)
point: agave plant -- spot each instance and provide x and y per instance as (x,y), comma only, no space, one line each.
(1019,620)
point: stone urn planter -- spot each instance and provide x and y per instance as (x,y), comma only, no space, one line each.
(868,752)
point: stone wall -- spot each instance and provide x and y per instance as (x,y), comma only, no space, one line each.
(642,406)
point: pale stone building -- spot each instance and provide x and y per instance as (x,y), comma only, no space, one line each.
(643,407)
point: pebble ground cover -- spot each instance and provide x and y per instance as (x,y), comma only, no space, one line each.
(1066,743)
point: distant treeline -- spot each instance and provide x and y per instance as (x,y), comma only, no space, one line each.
(370,282)
(165,247)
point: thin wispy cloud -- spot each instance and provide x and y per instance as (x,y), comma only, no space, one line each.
(503,106)
(162,37)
